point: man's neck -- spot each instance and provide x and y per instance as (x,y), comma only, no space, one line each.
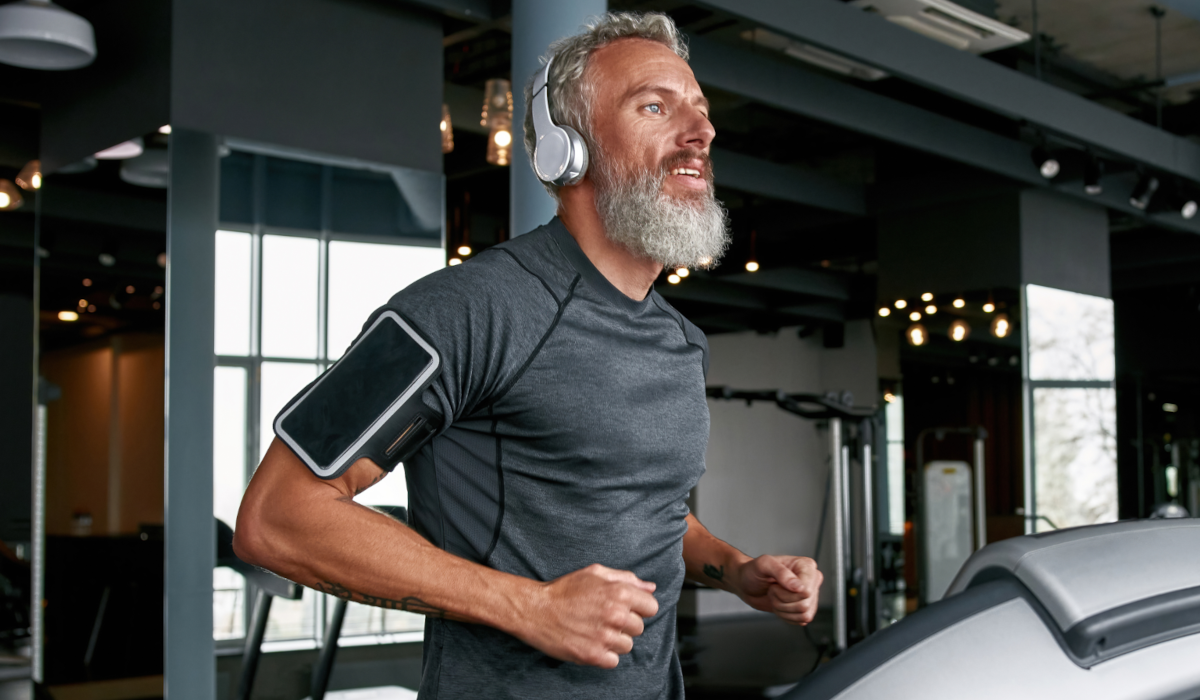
(631,274)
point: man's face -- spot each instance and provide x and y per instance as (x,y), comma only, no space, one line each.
(650,170)
(650,115)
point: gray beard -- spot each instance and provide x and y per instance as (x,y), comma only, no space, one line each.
(673,231)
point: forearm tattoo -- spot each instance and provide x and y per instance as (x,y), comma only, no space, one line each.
(715,573)
(410,604)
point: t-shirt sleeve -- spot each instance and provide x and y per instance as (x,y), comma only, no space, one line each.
(485,319)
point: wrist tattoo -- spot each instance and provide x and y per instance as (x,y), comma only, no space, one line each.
(410,604)
(715,573)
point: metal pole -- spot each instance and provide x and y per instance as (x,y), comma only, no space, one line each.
(320,679)
(868,534)
(839,535)
(980,496)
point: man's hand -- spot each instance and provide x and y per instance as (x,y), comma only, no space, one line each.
(784,585)
(590,616)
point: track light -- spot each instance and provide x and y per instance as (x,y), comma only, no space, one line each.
(916,335)
(1144,191)
(959,330)
(1093,170)
(1046,163)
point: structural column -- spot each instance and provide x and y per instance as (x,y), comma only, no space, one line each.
(190,667)
(536,23)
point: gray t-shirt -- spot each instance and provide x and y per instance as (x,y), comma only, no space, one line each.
(576,425)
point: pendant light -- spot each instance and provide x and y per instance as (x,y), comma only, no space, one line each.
(30,177)
(497,116)
(447,128)
(10,196)
(151,169)
(126,149)
(39,34)
(752,261)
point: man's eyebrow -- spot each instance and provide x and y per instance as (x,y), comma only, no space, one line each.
(643,89)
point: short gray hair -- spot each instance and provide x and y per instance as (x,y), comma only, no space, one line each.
(570,96)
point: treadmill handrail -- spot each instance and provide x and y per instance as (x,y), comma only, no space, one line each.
(812,406)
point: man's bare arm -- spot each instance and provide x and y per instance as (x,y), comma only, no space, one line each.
(784,585)
(312,532)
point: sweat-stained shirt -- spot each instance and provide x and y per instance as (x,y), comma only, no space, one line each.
(575,426)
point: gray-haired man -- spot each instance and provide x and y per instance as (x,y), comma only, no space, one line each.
(548,516)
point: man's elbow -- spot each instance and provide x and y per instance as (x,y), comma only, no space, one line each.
(250,537)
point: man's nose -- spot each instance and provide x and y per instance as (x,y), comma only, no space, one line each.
(698,133)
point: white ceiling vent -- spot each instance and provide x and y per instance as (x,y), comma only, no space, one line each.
(944,21)
(812,55)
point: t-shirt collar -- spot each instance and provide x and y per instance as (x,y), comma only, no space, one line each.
(583,265)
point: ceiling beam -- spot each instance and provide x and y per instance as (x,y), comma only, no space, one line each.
(471,10)
(787,183)
(865,37)
(797,280)
(780,84)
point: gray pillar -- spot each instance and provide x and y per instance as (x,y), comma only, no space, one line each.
(536,23)
(190,666)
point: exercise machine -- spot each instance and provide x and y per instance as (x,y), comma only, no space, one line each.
(852,432)
(1106,612)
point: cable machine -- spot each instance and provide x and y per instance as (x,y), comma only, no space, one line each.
(852,432)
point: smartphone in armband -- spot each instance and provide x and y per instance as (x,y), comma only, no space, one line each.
(368,404)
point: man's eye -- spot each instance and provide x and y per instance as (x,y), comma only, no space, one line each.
(655,108)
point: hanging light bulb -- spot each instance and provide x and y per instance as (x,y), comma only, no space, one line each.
(30,177)
(10,196)
(498,119)
(900,303)
(673,278)
(930,310)
(752,262)
(927,296)
(464,250)
(39,34)
(454,261)
(1001,328)
(165,129)
(916,335)
(1188,210)
(885,311)
(447,128)
(915,316)
(959,303)
(682,272)
(68,316)
(959,330)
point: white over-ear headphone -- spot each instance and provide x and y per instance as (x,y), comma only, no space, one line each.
(560,156)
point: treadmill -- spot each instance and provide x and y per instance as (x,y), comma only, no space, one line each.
(1104,612)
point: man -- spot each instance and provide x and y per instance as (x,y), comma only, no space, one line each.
(548,515)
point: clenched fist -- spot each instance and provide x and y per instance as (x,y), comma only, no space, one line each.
(590,616)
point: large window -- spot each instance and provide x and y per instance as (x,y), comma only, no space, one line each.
(286,307)
(1071,371)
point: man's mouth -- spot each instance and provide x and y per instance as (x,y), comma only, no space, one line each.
(686,171)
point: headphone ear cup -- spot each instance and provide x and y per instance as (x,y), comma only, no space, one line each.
(577,163)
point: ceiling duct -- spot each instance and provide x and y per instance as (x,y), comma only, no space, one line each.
(812,55)
(944,21)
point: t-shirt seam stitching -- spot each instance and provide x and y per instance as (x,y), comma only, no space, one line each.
(682,328)
(536,276)
(487,557)
(541,343)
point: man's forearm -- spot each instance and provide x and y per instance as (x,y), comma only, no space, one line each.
(322,539)
(709,560)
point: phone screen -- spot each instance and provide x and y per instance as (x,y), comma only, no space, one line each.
(348,399)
